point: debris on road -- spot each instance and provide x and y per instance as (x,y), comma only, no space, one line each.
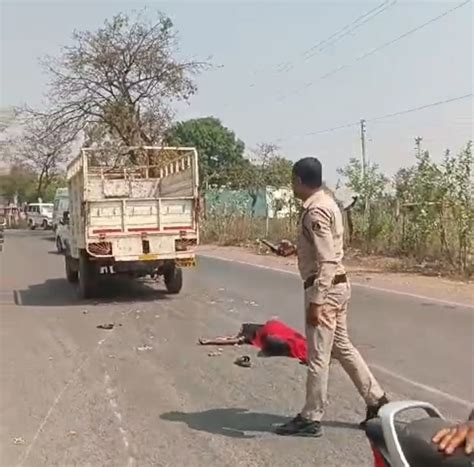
(214,354)
(243,361)
(85,312)
(18,441)
(50,359)
(144,348)
(108,326)
(72,433)
(157,316)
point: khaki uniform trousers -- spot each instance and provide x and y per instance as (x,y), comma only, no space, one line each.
(324,343)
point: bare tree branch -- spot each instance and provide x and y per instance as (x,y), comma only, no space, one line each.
(124,76)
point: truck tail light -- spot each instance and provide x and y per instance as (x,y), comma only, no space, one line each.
(183,244)
(100,248)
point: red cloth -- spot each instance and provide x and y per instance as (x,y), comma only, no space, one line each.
(278,330)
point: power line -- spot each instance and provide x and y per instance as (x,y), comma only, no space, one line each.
(358,23)
(375,50)
(412,31)
(381,117)
(422,107)
(322,45)
(341,33)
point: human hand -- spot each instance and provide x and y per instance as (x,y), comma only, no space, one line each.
(319,315)
(449,439)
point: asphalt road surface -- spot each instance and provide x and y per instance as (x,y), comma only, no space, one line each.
(144,394)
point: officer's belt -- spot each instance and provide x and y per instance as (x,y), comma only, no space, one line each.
(338,279)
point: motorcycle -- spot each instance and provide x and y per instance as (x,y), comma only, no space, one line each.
(409,444)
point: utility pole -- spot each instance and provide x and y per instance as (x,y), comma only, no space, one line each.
(418,141)
(364,168)
(362,142)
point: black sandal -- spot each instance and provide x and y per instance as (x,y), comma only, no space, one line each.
(243,361)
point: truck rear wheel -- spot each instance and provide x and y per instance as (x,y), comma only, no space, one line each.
(87,277)
(173,279)
(72,273)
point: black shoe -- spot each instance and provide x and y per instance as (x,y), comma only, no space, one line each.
(300,426)
(373,410)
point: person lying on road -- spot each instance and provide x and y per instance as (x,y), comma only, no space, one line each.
(274,338)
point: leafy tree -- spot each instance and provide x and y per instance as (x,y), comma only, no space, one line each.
(221,153)
(369,224)
(368,186)
(20,183)
(42,151)
(122,77)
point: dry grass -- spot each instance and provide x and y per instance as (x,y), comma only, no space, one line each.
(385,251)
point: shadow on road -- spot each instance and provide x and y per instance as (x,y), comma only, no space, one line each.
(59,292)
(236,423)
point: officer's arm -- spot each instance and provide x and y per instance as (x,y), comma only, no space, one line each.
(318,224)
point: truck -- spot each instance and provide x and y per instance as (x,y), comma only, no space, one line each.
(135,213)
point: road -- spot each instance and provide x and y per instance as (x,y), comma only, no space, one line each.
(75,395)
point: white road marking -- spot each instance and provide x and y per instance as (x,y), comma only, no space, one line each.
(379,368)
(424,387)
(356,284)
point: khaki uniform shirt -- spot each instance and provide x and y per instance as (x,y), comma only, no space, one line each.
(320,243)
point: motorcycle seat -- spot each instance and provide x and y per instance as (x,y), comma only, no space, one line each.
(415,439)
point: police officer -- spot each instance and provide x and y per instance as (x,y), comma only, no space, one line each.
(327,292)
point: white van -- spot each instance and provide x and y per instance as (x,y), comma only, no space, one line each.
(39,215)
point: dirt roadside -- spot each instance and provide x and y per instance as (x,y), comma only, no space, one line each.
(363,272)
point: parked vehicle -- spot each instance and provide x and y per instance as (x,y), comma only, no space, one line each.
(61,205)
(409,444)
(135,218)
(39,215)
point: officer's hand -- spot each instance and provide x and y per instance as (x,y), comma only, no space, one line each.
(449,439)
(318,315)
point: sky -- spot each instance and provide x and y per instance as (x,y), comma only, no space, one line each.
(248,41)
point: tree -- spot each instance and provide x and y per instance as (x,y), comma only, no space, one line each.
(370,185)
(19,183)
(43,151)
(221,154)
(122,77)
(7,118)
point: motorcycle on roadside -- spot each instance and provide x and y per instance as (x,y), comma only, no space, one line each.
(409,444)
